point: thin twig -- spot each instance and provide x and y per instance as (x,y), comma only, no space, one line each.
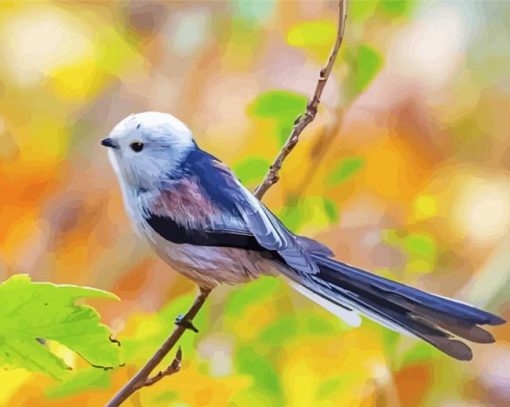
(143,378)
(174,367)
(303,120)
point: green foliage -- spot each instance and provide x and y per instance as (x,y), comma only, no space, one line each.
(361,10)
(312,34)
(259,366)
(237,303)
(345,169)
(32,313)
(416,245)
(420,245)
(396,8)
(252,170)
(312,211)
(88,379)
(277,103)
(331,210)
(364,62)
(280,330)
(282,107)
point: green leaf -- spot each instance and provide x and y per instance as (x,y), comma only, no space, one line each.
(292,216)
(281,106)
(89,379)
(331,209)
(312,34)
(361,10)
(265,376)
(279,331)
(365,62)
(421,245)
(396,8)
(313,211)
(252,170)
(32,313)
(345,169)
(276,104)
(257,291)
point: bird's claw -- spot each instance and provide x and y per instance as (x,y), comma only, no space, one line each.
(185,323)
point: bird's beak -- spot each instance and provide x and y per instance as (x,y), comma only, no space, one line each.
(109,142)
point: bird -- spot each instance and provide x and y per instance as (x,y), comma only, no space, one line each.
(199,218)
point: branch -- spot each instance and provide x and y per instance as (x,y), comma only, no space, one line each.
(303,120)
(143,378)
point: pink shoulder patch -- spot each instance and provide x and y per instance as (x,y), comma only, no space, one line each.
(186,200)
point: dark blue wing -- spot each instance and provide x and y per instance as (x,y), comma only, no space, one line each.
(225,190)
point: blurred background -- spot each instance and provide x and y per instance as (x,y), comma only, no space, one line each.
(404,172)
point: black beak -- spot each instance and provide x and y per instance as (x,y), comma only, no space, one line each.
(108,142)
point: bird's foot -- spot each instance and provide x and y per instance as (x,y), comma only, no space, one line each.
(185,323)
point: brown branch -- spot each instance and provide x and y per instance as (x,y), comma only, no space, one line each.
(174,367)
(308,116)
(143,378)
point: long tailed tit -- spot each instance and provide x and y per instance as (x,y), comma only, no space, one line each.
(200,219)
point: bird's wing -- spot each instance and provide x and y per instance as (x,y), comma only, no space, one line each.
(228,216)
(272,234)
(263,225)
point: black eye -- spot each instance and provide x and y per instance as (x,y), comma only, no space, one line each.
(136,146)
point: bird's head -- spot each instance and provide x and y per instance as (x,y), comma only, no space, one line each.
(146,148)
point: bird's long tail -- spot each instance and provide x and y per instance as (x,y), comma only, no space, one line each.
(440,321)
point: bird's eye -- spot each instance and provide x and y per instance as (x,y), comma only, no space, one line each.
(136,146)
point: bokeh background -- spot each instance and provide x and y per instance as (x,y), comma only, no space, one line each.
(405,172)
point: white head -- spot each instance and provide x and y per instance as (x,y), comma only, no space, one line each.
(146,147)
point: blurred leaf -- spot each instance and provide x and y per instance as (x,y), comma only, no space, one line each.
(86,380)
(419,352)
(362,10)
(365,62)
(312,34)
(396,8)
(322,324)
(248,294)
(281,106)
(314,212)
(331,209)
(265,375)
(280,330)
(292,216)
(252,170)
(420,245)
(345,169)
(33,312)
(277,104)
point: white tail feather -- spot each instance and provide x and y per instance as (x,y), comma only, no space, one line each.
(350,317)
